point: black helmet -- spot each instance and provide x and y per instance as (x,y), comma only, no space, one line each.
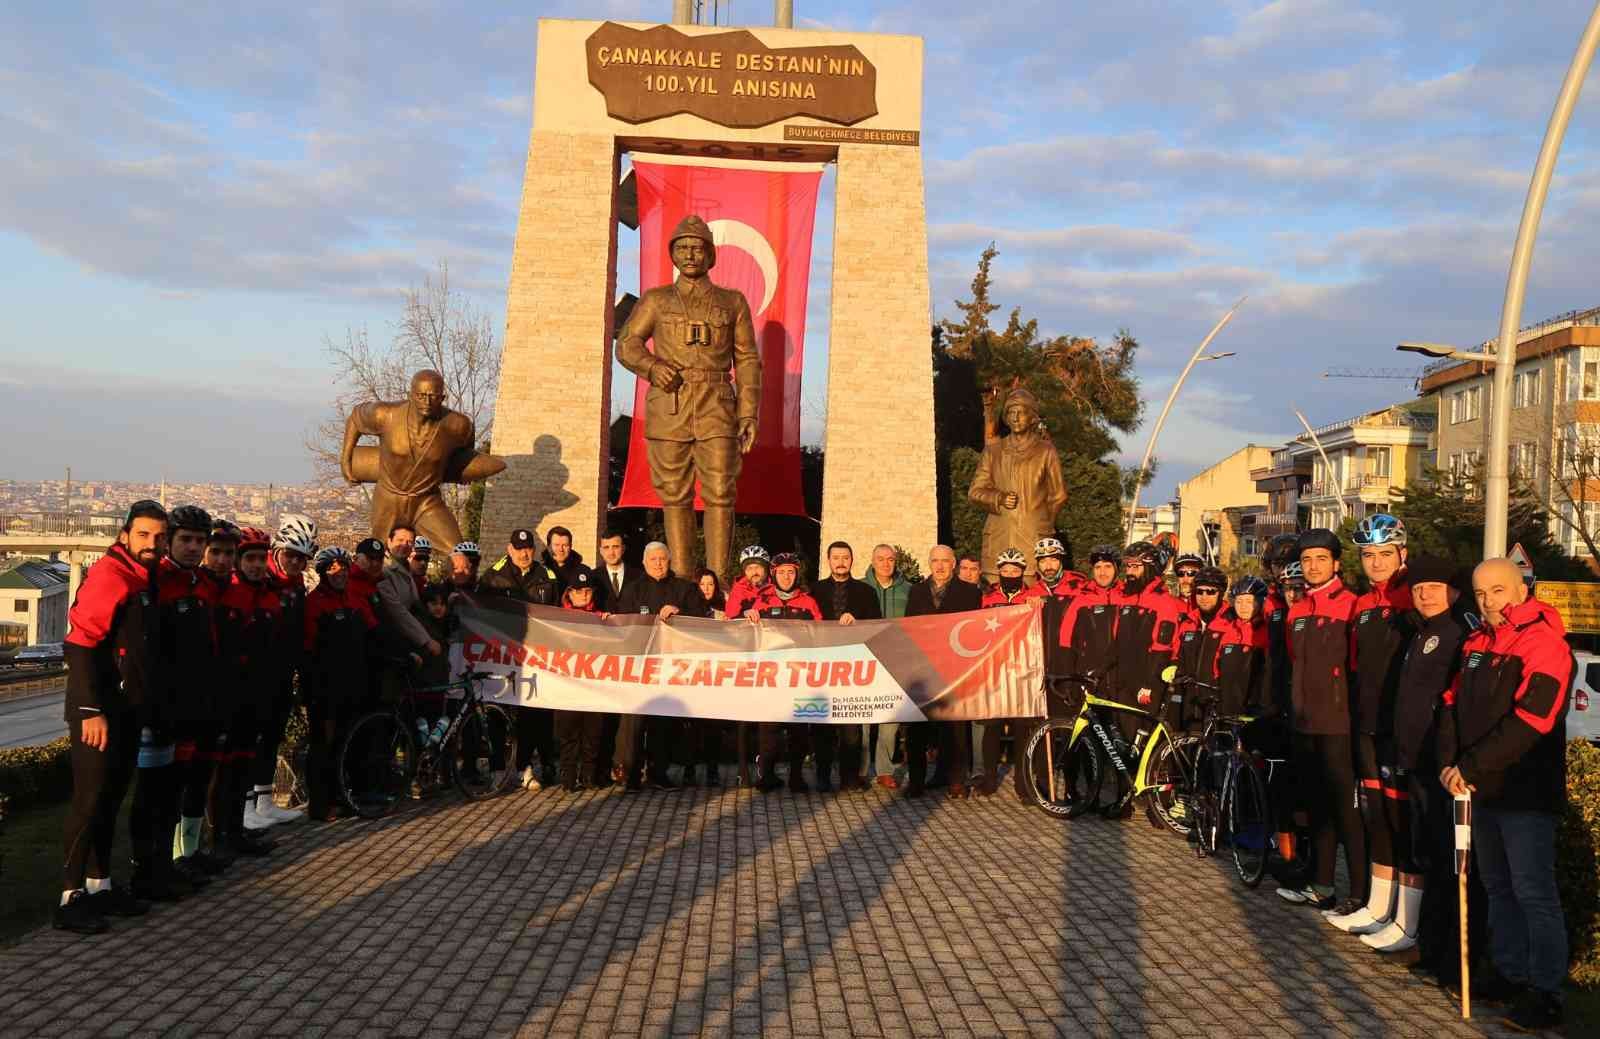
(1188,559)
(223,530)
(190,517)
(1319,537)
(1211,577)
(1249,584)
(1105,554)
(1154,556)
(1283,548)
(785,559)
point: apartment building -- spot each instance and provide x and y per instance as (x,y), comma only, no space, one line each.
(1369,456)
(1555,418)
(1205,501)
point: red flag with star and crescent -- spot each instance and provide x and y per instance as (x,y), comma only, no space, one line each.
(762,222)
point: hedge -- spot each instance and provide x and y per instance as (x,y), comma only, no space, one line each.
(1578,861)
(31,776)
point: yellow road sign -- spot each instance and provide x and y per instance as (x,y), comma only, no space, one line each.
(1578,602)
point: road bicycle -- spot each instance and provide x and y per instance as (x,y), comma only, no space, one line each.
(1067,761)
(384,759)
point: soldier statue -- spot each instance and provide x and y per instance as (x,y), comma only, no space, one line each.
(1018,482)
(421,444)
(698,423)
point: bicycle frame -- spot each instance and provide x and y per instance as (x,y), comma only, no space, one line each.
(1090,717)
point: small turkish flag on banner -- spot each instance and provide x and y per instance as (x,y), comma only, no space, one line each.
(985,660)
(762,222)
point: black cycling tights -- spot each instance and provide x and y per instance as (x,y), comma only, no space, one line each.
(1326,767)
(1373,793)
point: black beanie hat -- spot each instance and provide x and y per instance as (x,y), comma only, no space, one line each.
(1426,569)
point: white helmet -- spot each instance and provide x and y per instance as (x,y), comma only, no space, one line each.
(422,544)
(297,534)
(754,554)
(1011,556)
(467,548)
(1046,547)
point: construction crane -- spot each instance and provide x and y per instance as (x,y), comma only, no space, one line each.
(1410,375)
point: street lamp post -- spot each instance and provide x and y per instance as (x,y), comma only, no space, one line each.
(1150,448)
(1497,482)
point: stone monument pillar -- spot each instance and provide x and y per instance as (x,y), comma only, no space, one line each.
(757,95)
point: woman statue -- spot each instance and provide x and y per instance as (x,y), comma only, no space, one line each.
(1018,483)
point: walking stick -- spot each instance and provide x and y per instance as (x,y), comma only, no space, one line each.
(1463,811)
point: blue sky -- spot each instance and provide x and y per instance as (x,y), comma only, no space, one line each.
(192,197)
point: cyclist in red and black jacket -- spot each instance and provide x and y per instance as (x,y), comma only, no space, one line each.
(113,652)
(1009,589)
(1088,631)
(1148,617)
(189,651)
(1502,738)
(782,598)
(1146,639)
(1383,627)
(1197,648)
(1241,658)
(292,549)
(247,627)
(338,631)
(1320,627)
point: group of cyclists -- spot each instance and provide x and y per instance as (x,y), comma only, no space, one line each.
(1380,707)
(191,635)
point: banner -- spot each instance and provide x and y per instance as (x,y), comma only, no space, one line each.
(963,666)
(762,223)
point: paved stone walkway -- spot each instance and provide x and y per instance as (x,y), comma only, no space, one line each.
(720,913)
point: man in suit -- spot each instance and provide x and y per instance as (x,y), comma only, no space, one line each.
(612,578)
(659,593)
(940,592)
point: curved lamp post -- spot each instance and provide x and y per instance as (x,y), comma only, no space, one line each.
(1150,448)
(1497,483)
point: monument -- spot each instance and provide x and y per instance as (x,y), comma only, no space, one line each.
(754,98)
(421,444)
(696,429)
(1018,482)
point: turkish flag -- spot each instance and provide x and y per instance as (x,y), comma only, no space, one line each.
(762,222)
(981,664)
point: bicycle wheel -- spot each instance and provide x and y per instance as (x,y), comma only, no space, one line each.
(376,764)
(1063,775)
(1170,780)
(1248,809)
(481,751)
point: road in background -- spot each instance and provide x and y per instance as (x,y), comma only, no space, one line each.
(32,719)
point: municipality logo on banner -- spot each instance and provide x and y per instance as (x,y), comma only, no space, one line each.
(811,708)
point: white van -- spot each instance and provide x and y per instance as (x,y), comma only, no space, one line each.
(1583,714)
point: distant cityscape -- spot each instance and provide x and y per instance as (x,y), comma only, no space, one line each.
(339,512)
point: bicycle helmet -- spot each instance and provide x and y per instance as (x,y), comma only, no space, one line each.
(1211,577)
(1044,548)
(1250,584)
(423,545)
(1010,557)
(1105,554)
(1380,529)
(754,554)
(297,534)
(785,559)
(468,548)
(252,539)
(1292,572)
(190,517)
(222,530)
(329,556)
(1154,557)
(1281,549)
(1320,537)
(1188,559)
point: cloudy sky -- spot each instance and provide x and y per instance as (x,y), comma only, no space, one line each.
(192,197)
